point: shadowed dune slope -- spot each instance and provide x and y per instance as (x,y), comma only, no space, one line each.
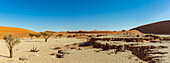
(162,27)
(19,32)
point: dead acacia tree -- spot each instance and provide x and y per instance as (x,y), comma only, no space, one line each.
(31,35)
(11,42)
(38,35)
(46,35)
(60,35)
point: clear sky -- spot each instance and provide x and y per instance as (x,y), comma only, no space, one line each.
(74,15)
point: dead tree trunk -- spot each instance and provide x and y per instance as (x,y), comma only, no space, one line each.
(46,40)
(11,53)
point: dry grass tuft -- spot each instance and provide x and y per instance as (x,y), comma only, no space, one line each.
(34,49)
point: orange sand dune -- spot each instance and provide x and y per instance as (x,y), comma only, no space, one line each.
(19,32)
(134,32)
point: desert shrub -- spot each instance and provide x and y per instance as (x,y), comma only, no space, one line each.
(149,35)
(31,35)
(60,55)
(38,35)
(74,35)
(98,35)
(60,35)
(137,35)
(152,35)
(156,37)
(73,48)
(91,35)
(69,36)
(11,42)
(162,38)
(22,58)
(46,35)
(83,34)
(56,36)
(34,49)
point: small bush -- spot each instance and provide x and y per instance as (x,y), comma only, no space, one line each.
(162,38)
(60,35)
(137,35)
(31,35)
(34,49)
(22,58)
(74,35)
(152,35)
(77,35)
(69,36)
(56,36)
(38,35)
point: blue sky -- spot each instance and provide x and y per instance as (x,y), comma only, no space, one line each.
(73,15)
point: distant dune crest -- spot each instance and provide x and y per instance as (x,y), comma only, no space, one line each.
(19,32)
(162,27)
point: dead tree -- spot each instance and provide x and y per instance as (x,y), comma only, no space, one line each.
(38,35)
(11,42)
(46,36)
(31,35)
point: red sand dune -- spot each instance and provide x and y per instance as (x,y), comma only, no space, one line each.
(19,32)
(162,27)
(111,32)
(134,32)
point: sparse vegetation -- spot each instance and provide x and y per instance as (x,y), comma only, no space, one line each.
(46,35)
(34,49)
(74,35)
(31,35)
(60,35)
(137,35)
(127,36)
(56,36)
(60,55)
(38,35)
(11,42)
(148,35)
(162,38)
(152,35)
(22,58)
(83,34)
(69,36)
(73,48)
(91,35)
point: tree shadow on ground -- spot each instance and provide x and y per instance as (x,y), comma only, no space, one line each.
(4,56)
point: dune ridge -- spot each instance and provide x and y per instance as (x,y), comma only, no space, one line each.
(19,32)
(161,27)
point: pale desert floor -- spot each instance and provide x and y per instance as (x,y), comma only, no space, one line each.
(75,56)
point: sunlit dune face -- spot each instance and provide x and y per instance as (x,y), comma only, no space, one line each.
(19,32)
